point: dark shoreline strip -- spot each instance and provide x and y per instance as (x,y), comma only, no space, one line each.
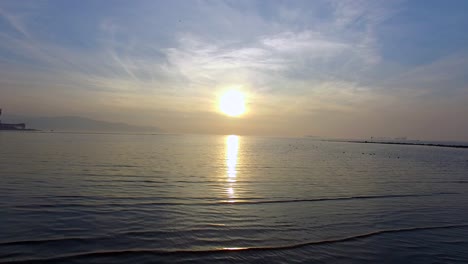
(157,252)
(401,143)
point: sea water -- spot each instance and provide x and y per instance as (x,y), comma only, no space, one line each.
(119,198)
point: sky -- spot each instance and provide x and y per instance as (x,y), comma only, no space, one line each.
(349,69)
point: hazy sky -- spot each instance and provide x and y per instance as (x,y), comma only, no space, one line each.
(326,68)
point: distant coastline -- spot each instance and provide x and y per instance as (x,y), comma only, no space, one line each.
(20,130)
(403,143)
(79,124)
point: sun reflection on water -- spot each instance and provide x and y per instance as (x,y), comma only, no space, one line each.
(232,149)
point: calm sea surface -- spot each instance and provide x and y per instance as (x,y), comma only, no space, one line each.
(108,198)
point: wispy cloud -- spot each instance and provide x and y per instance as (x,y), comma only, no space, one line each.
(323,60)
(15,21)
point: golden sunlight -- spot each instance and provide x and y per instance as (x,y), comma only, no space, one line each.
(232,150)
(232,143)
(232,103)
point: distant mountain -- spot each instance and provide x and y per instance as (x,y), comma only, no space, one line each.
(78,124)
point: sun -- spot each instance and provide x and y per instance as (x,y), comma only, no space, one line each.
(232,103)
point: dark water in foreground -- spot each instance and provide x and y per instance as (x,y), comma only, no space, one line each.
(83,198)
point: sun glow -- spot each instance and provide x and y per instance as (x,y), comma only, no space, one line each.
(232,103)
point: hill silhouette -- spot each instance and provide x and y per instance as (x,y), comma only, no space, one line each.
(78,124)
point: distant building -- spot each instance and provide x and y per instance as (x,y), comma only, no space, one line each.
(5,126)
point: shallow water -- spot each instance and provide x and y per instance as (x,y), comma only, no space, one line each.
(110,198)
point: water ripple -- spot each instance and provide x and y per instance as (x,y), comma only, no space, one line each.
(215,202)
(158,252)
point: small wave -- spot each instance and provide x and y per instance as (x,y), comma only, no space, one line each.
(40,241)
(335,198)
(213,202)
(116,166)
(455,181)
(158,252)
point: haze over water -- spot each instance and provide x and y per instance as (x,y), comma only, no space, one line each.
(112,198)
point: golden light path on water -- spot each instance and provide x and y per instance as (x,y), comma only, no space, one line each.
(232,150)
